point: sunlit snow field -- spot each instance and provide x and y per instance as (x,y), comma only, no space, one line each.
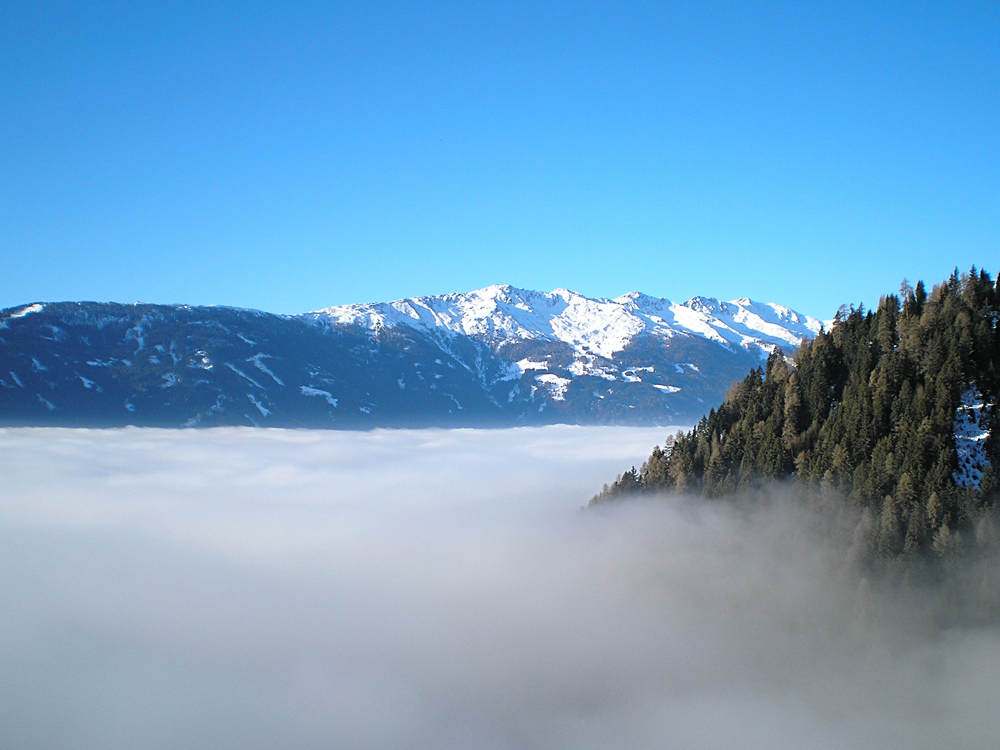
(241,588)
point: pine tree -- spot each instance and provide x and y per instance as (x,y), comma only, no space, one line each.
(889,529)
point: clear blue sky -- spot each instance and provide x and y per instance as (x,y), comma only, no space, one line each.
(289,158)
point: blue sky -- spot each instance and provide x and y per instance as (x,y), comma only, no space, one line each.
(287,159)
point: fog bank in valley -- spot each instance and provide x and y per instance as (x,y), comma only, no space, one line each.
(242,588)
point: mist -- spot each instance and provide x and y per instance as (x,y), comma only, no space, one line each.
(240,588)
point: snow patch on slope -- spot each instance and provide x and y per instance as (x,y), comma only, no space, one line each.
(256,359)
(243,375)
(556,385)
(260,407)
(310,391)
(526,364)
(26,311)
(667,388)
(971,419)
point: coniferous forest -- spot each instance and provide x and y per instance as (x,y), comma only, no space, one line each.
(889,409)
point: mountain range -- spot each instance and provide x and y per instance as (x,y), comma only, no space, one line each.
(498,356)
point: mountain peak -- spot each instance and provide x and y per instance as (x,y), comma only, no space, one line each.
(639,298)
(500,314)
(706,304)
(493,291)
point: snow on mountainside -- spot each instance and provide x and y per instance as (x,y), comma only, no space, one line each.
(498,315)
(497,356)
(971,429)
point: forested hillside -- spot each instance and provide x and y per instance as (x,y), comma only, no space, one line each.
(891,407)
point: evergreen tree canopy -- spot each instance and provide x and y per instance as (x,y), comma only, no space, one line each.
(868,408)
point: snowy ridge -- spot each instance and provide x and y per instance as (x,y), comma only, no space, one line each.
(597,327)
(496,356)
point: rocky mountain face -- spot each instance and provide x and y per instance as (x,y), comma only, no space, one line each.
(498,356)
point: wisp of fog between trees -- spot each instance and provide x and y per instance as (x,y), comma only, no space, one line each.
(443,589)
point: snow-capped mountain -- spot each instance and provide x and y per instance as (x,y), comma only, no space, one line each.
(594,329)
(497,356)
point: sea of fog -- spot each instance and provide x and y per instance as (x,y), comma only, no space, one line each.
(240,588)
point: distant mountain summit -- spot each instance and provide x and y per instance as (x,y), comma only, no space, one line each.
(495,356)
(593,328)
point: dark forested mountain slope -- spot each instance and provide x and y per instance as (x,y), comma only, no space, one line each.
(894,408)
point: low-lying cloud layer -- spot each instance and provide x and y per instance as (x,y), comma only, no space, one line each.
(441,589)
